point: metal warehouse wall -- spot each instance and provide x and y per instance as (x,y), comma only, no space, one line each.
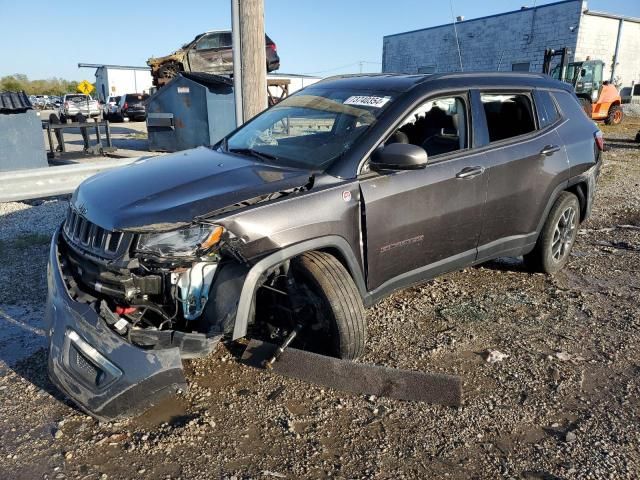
(492,43)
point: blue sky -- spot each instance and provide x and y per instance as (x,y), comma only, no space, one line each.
(49,38)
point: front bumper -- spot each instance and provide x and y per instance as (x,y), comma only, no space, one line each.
(101,372)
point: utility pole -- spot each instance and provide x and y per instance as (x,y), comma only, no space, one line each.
(249,58)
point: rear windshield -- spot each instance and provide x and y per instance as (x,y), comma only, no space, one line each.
(136,97)
(76,98)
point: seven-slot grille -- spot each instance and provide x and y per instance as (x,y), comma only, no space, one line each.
(90,236)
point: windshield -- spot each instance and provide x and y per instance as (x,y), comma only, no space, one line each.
(310,129)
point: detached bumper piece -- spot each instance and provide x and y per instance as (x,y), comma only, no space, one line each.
(99,370)
(358,378)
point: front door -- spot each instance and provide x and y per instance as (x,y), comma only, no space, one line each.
(420,223)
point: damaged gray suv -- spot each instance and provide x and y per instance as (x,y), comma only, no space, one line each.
(310,212)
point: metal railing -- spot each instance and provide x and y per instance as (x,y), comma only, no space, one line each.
(46,182)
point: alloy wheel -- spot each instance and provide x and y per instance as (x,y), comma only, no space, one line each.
(563,234)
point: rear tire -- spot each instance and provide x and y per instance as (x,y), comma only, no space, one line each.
(615,115)
(341,306)
(557,237)
(586,106)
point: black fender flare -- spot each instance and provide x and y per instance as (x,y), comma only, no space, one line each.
(254,276)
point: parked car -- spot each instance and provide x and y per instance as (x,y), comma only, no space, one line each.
(209,52)
(109,107)
(131,106)
(54,102)
(74,104)
(321,205)
(628,96)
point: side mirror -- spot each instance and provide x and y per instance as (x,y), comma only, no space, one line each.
(399,156)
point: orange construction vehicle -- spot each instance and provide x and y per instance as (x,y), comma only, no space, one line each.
(599,99)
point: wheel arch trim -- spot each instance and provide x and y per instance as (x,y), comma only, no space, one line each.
(246,302)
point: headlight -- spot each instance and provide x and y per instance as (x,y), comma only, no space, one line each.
(185,242)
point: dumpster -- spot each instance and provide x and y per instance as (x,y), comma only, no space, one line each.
(192,110)
(21,139)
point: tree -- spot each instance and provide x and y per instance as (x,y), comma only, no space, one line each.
(52,86)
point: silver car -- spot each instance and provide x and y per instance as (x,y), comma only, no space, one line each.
(75,104)
(110,107)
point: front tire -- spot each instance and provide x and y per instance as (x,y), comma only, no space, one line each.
(341,312)
(557,237)
(615,115)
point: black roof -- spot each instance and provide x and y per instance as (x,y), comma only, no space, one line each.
(12,102)
(396,82)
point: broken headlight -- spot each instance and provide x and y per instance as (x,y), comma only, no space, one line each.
(186,242)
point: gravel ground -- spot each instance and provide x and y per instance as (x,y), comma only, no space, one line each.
(562,401)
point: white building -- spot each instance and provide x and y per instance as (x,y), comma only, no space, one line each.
(114,80)
(517,40)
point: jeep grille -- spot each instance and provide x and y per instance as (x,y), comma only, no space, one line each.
(90,237)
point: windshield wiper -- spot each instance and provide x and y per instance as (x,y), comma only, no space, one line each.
(253,153)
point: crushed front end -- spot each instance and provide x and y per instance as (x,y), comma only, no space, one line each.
(124,308)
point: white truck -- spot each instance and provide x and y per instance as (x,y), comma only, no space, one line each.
(74,104)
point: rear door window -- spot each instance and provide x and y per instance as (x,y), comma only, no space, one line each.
(547,110)
(508,115)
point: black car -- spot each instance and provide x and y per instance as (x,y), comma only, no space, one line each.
(131,106)
(318,207)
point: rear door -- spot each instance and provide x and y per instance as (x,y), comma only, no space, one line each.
(526,161)
(420,223)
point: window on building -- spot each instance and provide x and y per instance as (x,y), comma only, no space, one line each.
(429,69)
(439,126)
(547,110)
(508,115)
(520,67)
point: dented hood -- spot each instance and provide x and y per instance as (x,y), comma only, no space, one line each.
(168,191)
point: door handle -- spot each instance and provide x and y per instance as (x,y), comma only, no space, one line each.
(549,150)
(470,172)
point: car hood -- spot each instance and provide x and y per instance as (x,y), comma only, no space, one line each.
(171,190)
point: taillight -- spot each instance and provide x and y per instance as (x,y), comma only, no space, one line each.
(599,140)
(126,105)
(273,46)
(66,104)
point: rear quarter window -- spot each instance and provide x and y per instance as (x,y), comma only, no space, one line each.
(547,110)
(569,105)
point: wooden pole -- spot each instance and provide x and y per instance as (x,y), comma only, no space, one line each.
(237,62)
(253,60)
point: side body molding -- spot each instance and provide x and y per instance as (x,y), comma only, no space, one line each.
(255,274)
